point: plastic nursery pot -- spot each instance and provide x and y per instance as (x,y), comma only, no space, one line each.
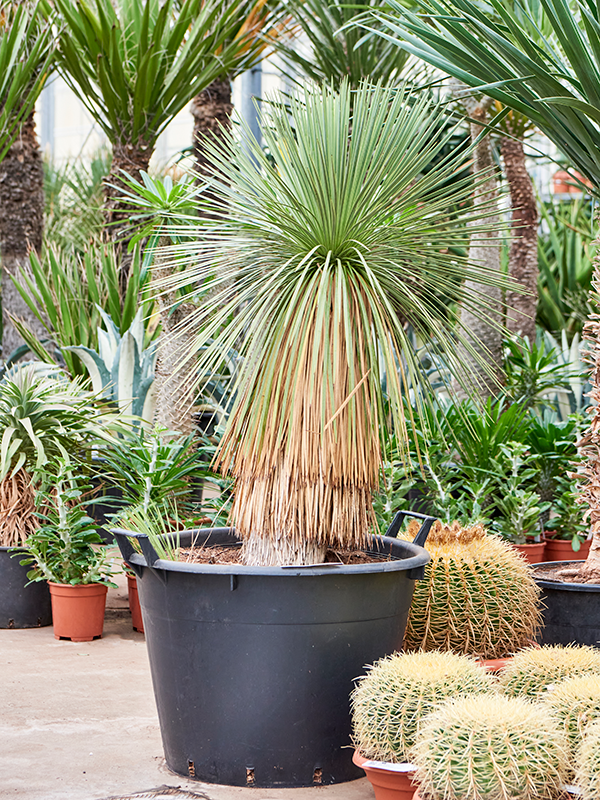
(494,664)
(571,611)
(253,667)
(78,611)
(134,604)
(561,550)
(21,606)
(533,553)
(389,781)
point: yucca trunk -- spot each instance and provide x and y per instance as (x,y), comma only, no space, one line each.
(176,375)
(17,509)
(482,331)
(131,159)
(306,460)
(21,225)
(523,258)
(211,111)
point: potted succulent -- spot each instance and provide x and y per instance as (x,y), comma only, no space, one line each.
(62,551)
(389,704)
(587,774)
(534,669)
(42,416)
(566,531)
(490,747)
(316,252)
(477,597)
(575,702)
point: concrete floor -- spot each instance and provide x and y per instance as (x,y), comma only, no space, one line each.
(78,721)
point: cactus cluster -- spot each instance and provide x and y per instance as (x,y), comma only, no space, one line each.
(389,702)
(576,704)
(587,774)
(535,669)
(478,596)
(490,748)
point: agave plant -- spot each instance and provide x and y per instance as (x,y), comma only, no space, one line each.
(323,248)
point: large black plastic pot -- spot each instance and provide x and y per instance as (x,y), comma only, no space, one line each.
(21,606)
(253,667)
(572,610)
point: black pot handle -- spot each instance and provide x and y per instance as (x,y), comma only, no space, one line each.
(423,533)
(127,550)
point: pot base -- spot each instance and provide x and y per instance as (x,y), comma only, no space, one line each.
(388,784)
(78,611)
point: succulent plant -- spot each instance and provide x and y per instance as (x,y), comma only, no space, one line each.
(535,669)
(389,702)
(587,762)
(478,596)
(576,704)
(490,748)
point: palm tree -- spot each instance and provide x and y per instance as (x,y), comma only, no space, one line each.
(136,63)
(26,55)
(553,80)
(323,243)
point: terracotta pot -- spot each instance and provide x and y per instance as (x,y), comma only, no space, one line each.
(78,611)
(561,550)
(564,183)
(134,604)
(495,664)
(388,784)
(534,553)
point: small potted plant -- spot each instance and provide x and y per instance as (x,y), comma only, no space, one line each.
(63,551)
(492,747)
(565,530)
(389,703)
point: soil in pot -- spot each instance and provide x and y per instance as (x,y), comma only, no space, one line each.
(389,781)
(78,611)
(561,550)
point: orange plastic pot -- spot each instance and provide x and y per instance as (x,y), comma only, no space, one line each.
(534,553)
(495,664)
(387,784)
(78,611)
(134,604)
(561,550)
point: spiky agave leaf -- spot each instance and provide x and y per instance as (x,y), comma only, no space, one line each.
(314,264)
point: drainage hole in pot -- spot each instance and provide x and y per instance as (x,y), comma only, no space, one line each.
(191,769)
(11,623)
(318,776)
(249,777)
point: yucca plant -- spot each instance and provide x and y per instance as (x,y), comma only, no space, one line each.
(323,248)
(136,63)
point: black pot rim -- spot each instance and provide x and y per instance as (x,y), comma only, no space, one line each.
(560,585)
(418,558)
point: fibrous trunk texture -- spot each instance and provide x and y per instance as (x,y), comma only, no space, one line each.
(523,257)
(482,331)
(176,372)
(21,225)
(305,454)
(211,111)
(17,509)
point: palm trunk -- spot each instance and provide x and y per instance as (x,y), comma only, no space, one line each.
(211,110)
(21,226)
(483,334)
(523,258)
(175,379)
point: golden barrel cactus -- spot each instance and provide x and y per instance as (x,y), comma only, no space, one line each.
(478,596)
(534,669)
(576,704)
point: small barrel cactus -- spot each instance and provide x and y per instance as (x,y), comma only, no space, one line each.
(576,704)
(535,669)
(478,596)
(389,702)
(587,763)
(490,748)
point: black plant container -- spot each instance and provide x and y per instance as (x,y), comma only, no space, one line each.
(572,610)
(21,606)
(252,667)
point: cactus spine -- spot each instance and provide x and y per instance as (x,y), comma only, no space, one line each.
(575,703)
(534,669)
(389,703)
(587,773)
(478,596)
(490,748)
